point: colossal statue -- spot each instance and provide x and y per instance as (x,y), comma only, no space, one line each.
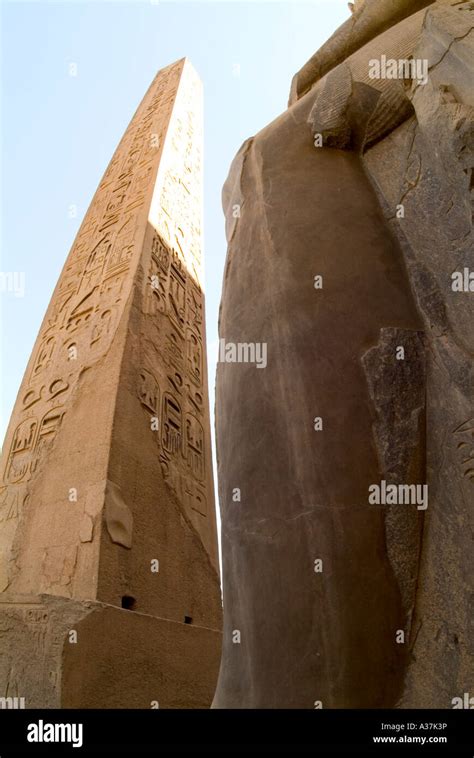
(349,227)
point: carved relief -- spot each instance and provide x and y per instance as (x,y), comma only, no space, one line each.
(31,439)
(161,254)
(37,619)
(43,358)
(194,307)
(156,290)
(88,304)
(194,446)
(179,220)
(177,293)
(57,387)
(174,349)
(112,287)
(171,425)
(47,431)
(174,303)
(80,315)
(194,357)
(193,496)
(21,451)
(95,265)
(149,392)
(87,275)
(176,381)
(55,647)
(121,256)
(31,397)
(12,502)
(189,492)
(195,398)
(54,389)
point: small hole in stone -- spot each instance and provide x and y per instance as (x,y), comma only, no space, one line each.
(188,620)
(456,639)
(129,602)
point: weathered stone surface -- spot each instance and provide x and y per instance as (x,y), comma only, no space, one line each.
(370,18)
(397,390)
(305,636)
(385,221)
(107,492)
(61,653)
(427,165)
(365,109)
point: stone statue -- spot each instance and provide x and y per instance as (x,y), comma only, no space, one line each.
(346,466)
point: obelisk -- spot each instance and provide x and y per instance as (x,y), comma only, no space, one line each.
(109,578)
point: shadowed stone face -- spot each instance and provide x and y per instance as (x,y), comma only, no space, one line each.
(330,600)
(306,635)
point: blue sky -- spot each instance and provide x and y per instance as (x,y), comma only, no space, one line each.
(58,132)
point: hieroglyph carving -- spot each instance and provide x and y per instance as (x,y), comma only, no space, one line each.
(174,304)
(90,296)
